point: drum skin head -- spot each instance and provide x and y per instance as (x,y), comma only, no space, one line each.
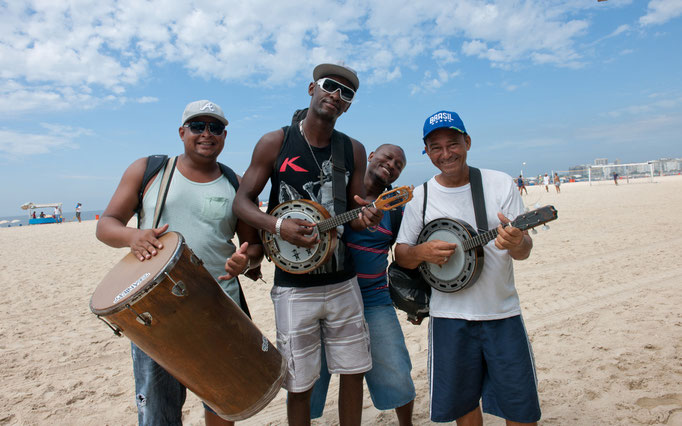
(130,279)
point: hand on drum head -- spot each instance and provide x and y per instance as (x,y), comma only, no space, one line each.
(436,251)
(145,242)
(299,232)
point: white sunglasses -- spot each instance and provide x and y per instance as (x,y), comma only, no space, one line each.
(330,86)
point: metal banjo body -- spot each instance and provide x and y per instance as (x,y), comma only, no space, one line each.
(290,257)
(466,263)
(463,267)
(300,260)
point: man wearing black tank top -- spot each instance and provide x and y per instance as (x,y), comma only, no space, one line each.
(324,305)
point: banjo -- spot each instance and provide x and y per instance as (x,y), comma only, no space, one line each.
(466,263)
(300,260)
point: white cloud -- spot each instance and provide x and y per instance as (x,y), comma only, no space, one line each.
(661,11)
(661,102)
(14,143)
(147,99)
(85,52)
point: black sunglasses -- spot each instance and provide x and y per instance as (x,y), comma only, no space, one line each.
(331,86)
(198,127)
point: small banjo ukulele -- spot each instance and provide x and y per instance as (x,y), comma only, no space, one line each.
(300,260)
(466,263)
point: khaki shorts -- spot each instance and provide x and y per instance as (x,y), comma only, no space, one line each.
(306,317)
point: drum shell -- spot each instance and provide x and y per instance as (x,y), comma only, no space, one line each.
(204,340)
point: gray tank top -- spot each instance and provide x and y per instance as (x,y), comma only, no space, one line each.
(202,213)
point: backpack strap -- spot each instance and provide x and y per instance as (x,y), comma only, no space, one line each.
(426,190)
(339,174)
(154,164)
(230,175)
(163,190)
(479,201)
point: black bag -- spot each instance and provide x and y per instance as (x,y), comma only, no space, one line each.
(409,292)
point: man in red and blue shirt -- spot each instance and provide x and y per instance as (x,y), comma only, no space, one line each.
(389,381)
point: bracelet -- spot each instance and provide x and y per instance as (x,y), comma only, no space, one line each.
(278,227)
(248,266)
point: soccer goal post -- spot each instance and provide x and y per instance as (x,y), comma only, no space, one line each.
(626,173)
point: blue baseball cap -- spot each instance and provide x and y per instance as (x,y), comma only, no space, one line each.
(444,119)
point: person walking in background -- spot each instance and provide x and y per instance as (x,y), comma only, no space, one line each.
(389,381)
(557,183)
(545,181)
(521,185)
(78,212)
(57,214)
(615,178)
(199,206)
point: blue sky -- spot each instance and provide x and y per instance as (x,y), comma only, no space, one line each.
(87,87)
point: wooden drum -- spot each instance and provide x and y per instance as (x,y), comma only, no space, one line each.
(174,310)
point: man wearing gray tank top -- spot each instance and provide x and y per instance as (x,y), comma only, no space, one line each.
(199,206)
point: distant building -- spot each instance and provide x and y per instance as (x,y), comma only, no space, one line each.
(601,161)
(580,171)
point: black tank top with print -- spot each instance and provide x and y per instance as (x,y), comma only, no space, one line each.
(298,176)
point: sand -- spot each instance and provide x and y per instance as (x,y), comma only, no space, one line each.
(601,297)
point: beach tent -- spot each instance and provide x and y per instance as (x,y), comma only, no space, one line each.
(47,219)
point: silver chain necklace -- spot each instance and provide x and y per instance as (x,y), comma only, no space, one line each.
(305,138)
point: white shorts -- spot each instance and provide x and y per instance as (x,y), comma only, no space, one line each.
(306,317)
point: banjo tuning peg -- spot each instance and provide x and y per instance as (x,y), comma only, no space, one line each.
(545,227)
(533,231)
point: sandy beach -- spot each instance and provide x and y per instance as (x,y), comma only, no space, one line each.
(601,297)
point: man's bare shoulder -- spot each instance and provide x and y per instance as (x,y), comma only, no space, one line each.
(273,137)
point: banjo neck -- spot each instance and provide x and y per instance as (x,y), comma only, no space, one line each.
(480,239)
(523,222)
(387,200)
(339,220)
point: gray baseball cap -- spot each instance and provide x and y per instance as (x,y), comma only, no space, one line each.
(203,107)
(342,70)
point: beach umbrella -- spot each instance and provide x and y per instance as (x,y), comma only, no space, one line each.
(15,221)
(2,222)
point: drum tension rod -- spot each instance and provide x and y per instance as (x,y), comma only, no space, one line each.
(116,330)
(144,319)
(179,288)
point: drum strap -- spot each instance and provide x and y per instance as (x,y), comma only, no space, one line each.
(163,190)
(479,201)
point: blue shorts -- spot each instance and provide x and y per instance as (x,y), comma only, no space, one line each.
(389,381)
(488,360)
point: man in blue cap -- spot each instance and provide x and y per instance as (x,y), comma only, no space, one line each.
(478,346)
